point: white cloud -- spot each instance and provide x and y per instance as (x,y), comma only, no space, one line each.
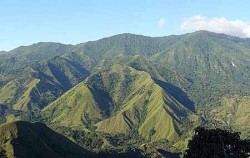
(161,23)
(219,25)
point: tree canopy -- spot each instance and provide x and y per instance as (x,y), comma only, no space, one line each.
(217,143)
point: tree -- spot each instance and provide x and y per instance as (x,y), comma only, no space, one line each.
(217,143)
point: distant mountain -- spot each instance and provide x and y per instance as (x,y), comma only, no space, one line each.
(207,60)
(23,139)
(33,76)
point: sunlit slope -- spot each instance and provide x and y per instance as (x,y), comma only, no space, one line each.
(24,101)
(8,92)
(76,107)
(209,65)
(148,109)
(234,112)
(121,99)
(42,61)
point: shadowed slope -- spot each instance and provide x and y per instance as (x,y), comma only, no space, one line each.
(23,139)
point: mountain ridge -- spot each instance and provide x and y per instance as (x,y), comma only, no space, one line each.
(164,36)
(132,109)
(155,88)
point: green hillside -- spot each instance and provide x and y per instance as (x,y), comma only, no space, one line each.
(55,76)
(208,64)
(75,108)
(144,89)
(120,99)
(23,102)
(234,112)
(213,64)
(8,91)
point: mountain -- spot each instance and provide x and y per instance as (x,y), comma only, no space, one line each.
(137,88)
(215,64)
(210,63)
(23,139)
(119,99)
(40,81)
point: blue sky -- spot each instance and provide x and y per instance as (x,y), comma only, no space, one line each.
(23,22)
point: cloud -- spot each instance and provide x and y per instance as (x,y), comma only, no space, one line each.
(219,25)
(161,23)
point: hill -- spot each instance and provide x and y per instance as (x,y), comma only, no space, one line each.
(121,99)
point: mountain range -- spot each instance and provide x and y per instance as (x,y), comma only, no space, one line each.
(149,89)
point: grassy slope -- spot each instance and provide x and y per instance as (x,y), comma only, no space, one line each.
(75,108)
(57,76)
(43,61)
(148,107)
(234,112)
(23,102)
(8,91)
(137,103)
(132,104)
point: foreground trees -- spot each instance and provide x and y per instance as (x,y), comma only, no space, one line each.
(217,143)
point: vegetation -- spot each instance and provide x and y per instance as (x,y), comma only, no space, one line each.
(217,143)
(233,113)
(129,88)
(147,105)
(23,139)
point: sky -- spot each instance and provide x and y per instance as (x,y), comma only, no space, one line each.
(24,22)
